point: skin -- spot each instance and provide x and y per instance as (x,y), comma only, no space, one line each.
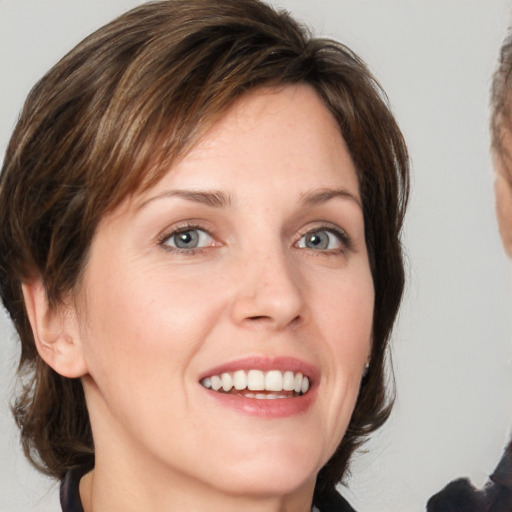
(503,191)
(150,320)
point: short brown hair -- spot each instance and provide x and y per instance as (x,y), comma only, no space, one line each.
(501,105)
(113,115)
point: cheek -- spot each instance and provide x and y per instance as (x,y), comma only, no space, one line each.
(348,315)
(143,323)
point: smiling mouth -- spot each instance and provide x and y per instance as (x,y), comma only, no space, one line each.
(259,384)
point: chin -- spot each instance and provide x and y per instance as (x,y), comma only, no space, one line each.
(273,483)
(277,475)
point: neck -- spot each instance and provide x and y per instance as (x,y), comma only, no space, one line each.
(104,489)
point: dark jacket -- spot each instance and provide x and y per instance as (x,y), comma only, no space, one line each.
(461,496)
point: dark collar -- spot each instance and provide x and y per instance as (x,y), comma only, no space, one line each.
(69,489)
(331,501)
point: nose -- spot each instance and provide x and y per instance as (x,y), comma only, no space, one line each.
(269,292)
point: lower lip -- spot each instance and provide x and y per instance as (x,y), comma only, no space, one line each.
(266,408)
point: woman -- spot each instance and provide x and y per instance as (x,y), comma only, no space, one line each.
(200,211)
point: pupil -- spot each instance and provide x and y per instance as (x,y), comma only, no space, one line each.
(318,240)
(187,239)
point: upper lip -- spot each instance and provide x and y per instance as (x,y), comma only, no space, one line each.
(265,363)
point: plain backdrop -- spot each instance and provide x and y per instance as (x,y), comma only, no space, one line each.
(452,347)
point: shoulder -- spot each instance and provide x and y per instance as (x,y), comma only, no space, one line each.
(457,496)
(461,496)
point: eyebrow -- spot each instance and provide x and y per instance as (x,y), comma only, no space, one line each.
(322,195)
(213,198)
(218,199)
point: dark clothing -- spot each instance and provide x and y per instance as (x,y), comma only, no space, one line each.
(333,502)
(457,496)
(69,491)
(70,495)
(461,496)
(499,491)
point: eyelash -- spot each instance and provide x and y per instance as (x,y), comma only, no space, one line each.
(343,237)
(340,234)
(176,230)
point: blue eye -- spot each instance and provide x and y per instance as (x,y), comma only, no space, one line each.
(320,240)
(190,238)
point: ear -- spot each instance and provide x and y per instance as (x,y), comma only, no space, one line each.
(56,332)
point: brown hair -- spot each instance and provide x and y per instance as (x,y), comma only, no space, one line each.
(113,115)
(501,105)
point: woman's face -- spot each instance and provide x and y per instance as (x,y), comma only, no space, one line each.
(244,267)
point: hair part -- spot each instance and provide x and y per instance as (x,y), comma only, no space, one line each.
(110,119)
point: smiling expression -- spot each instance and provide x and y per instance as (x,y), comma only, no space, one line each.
(226,312)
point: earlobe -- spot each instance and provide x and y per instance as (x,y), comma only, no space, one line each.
(55,332)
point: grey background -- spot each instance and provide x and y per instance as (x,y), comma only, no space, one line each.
(452,348)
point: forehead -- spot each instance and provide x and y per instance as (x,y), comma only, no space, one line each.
(269,137)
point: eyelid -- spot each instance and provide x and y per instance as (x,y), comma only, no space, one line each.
(340,233)
(175,229)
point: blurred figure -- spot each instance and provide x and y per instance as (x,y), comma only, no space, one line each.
(460,495)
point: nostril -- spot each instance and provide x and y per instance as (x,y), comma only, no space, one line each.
(264,307)
(269,319)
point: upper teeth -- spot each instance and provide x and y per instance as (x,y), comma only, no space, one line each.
(257,380)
